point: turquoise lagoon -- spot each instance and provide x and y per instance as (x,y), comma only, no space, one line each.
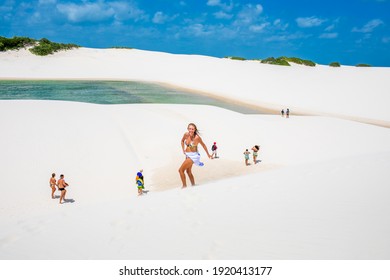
(108,92)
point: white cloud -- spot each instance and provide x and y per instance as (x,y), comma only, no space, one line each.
(218,3)
(214,31)
(369,26)
(160,18)
(199,30)
(309,22)
(279,24)
(249,14)
(86,12)
(222,15)
(285,37)
(332,35)
(213,2)
(6,7)
(330,27)
(258,28)
(100,11)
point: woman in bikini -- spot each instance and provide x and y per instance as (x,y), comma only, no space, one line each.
(189,145)
(53,184)
(255,150)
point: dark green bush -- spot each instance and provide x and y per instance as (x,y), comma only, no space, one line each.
(235,58)
(308,63)
(334,64)
(46,47)
(363,65)
(299,61)
(275,61)
(41,47)
(44,41)
(15,43)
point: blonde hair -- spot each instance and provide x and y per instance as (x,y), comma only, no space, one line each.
(196,129)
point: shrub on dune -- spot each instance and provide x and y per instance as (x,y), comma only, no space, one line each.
(334,64)
(275,61)
(41,47)
(297,60)
(15,43)
(45,47)
(363,65)
(235,58)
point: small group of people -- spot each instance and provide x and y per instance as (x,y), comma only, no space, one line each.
(61,184)
(189,144)
(255,149)
(287,113)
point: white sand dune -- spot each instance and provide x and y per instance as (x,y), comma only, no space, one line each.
(348,92)
(319,192)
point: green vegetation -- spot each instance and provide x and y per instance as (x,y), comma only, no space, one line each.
(15,43)
(299,61)
(235,58)
(41,47)
(334,64)
(276,61)
(284,61)
(363,65)
(45,47)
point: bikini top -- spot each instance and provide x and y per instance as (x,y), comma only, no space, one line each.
(191,144)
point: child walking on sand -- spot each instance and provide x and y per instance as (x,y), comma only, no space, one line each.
(246,154)
(214,150)
(139,179)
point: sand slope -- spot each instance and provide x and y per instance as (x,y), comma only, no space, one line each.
(319,193)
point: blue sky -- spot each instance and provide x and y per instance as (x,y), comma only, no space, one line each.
(347,31)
